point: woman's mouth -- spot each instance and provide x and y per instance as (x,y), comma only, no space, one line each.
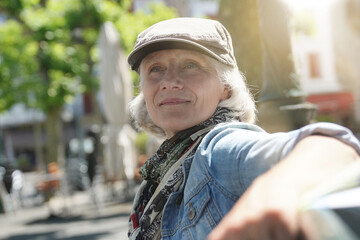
(173,101)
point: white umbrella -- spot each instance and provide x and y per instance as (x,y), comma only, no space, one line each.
(116,90)
(116,84)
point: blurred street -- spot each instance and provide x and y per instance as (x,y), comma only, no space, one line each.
(72,217)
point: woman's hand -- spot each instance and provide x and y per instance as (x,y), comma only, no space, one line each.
(269,208)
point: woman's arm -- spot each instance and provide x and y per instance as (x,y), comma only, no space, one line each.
(268,209)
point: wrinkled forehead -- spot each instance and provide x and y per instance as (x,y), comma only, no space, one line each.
(174,54)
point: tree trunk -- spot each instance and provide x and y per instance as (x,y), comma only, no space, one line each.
(282,105)
(241,20)
(55,149)
(261,39)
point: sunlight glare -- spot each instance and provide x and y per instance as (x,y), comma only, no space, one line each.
(308,4)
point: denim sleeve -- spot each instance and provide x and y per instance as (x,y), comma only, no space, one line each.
(235,154)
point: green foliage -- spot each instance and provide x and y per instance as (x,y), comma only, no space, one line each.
(48,48)
(325,118)
(304,23)
(140,142)
(139,21)
(18,64)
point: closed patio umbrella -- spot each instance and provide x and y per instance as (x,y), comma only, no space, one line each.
(116,91)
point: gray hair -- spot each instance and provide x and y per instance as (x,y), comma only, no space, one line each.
(240,100)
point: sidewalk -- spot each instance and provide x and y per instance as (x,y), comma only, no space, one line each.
(84,222)
(74,217)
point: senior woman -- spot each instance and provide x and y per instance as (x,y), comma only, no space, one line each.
(216,170)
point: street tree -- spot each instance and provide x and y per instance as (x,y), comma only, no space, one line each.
(49,52)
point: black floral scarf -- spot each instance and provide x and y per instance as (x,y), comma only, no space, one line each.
(144,221)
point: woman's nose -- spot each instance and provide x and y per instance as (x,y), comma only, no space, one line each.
(171,80)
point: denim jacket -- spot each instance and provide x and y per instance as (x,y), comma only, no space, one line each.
(226,162)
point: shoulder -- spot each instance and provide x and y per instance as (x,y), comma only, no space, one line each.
(224,152)
(235,140)
(233,127)
(232,133)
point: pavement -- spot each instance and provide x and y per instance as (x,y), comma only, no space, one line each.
(77,216)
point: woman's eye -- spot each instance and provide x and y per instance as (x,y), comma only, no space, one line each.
(155,69)
(191,65)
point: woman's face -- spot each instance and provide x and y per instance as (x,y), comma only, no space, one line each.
(180,88)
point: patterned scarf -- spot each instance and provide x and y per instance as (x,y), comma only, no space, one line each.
(144,221)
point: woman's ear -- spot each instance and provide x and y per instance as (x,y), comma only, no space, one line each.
(225,94)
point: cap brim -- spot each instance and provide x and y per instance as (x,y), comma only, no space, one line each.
(136,56)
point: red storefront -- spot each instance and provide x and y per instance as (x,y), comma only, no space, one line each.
(339,105)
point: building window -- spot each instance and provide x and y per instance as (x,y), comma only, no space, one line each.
(314,65)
